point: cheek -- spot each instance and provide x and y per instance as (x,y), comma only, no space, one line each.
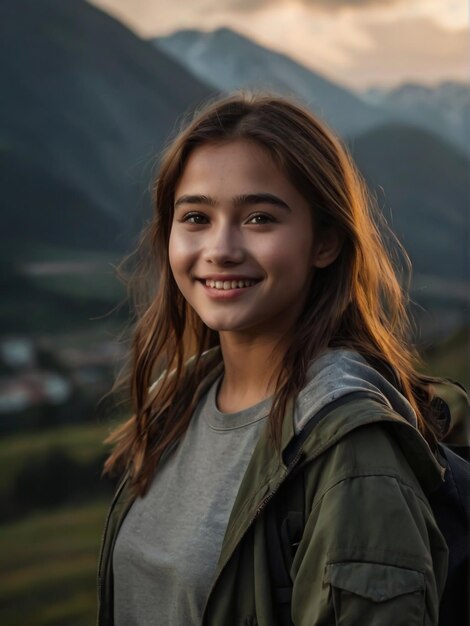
(289,254)
(177,257)
(180,251)
(300,249)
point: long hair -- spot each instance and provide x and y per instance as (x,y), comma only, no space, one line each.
(357,301)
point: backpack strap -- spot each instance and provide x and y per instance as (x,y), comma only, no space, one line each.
(452,399)
(279,543)
(450,504)
(295,445)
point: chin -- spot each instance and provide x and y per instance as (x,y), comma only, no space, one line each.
(224,325)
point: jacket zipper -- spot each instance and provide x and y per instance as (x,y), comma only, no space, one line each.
(267,498)
(257,513)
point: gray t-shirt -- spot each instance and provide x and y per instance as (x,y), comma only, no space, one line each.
(167,549)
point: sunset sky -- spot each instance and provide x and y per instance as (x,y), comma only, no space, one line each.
(358,43)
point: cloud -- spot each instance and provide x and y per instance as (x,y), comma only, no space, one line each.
(410,49)
(349,4)
(329,5)
(376,42)
(137,10)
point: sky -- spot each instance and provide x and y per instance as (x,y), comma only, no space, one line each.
(357,43)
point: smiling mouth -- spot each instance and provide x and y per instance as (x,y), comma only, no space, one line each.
(225,285)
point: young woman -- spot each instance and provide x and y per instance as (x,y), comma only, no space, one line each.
(272,306)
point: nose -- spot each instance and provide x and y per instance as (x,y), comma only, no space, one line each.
(224,246)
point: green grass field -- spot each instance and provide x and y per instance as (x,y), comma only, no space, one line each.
(48,567)
(100,285)
(48,559)
(83,442)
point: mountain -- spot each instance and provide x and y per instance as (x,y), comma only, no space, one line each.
(444,109)
(424,192)
(228,61)
(422,185)
(86,106)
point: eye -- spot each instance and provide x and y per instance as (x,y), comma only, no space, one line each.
(261,218)
(195,218)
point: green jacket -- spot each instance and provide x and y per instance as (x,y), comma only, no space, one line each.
(371,553)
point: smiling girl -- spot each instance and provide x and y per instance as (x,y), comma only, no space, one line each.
(278,318)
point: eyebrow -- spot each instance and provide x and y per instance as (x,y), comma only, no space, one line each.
(194,199)
(243,199)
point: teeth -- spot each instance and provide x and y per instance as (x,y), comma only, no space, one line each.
(229,284)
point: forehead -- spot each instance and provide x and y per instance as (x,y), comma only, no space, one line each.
(238,163)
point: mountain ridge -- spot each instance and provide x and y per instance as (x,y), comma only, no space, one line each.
(228,60)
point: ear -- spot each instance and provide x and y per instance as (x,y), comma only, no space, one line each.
(327,247)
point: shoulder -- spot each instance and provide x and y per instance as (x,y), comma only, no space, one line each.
(368,452)
(367,462)
(365,438)
(366,503)
(384,448)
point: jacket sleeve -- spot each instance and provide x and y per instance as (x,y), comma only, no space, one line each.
(371,552)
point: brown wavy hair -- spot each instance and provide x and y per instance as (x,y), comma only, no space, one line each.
(358,302)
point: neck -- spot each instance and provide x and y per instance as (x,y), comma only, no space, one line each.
(251,367)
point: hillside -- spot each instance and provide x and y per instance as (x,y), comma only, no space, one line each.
(422,185)
(88,106)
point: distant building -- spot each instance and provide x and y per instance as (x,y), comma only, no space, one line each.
(33,388)
(39,373)
(17,352)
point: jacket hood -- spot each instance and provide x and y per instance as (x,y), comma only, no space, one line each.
(338,372)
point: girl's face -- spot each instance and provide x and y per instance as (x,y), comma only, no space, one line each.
(242,248)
